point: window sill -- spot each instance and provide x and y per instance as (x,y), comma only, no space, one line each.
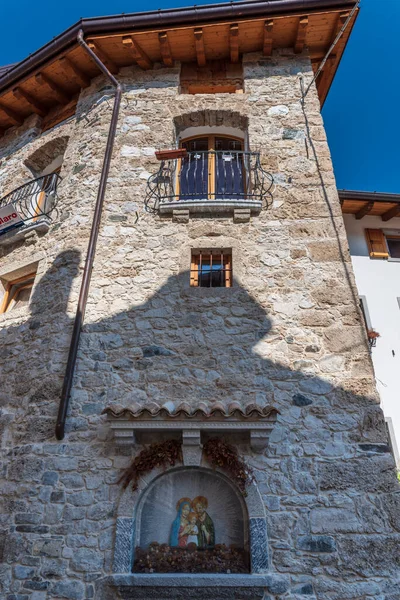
(197,586)
(17,313)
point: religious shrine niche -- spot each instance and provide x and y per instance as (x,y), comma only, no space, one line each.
(192,521)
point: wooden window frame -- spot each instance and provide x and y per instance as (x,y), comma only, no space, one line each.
(197,255)
(11,295)
(42,195)
(211,159)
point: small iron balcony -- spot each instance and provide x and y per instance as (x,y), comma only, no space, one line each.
(30,206)
(207,181)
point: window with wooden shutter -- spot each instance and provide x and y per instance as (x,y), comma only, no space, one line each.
(376,243)
(211,268)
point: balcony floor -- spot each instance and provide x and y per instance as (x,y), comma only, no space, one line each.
(209,206)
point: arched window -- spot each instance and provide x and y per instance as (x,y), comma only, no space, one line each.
(192,520)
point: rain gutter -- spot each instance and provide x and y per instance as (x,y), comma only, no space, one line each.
(91,251)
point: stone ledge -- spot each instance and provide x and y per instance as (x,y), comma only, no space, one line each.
(210,206)
(196,586)
(41,225)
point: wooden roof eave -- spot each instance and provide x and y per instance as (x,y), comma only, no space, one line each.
(362,204)
(57,81)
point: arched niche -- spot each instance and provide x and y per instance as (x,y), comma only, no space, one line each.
(191,520)
(236,524)
(48,158)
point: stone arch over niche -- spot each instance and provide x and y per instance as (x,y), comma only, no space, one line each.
(211,118)
(51,153)
(159,491)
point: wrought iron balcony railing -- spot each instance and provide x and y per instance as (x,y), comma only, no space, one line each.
(29,203)
(210,179)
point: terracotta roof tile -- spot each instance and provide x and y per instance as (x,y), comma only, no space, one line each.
(183,409)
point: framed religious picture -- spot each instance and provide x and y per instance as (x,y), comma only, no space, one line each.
(191,521)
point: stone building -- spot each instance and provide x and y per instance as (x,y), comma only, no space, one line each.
(221,313)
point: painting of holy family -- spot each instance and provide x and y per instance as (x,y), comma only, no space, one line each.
(193,524)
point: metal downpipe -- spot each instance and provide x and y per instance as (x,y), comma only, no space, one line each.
(91,251)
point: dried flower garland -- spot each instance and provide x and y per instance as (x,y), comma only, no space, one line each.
(223,455)
(217,452)
(163,454)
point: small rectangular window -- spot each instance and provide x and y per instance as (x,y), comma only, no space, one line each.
(211,268)
(216,77)
(17,292)
(393,244)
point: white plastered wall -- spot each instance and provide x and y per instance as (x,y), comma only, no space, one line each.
(379,281)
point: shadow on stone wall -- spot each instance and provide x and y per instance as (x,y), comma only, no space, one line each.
(191,345)
(33,355)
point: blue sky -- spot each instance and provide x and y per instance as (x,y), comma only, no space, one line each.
(360,114)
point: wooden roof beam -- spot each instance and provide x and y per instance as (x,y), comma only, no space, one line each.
(68,66)
(200,50)
(165,49)
(364,210)
(392,212)
(35,105)
(15,117)
(62,97)
(340,22)
(234,42)
(301,35)
(268,37)
(325,78)
(137,53)
(110,64)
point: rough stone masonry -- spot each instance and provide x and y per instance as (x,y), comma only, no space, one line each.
(287,335)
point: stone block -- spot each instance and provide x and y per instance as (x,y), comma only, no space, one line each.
(301,400)
(371,555)
(390,504)
(241,215)
(86,560)
(27,518)
(21,572)
(53,568)
(50,478)
(316,543)
(123,554)
(57,496)
(334,520)
(258,545)
(368,474)
(72,480)
(180,216)
(47,547)
(100,511)
(31,584)
(71,589)
(83,498)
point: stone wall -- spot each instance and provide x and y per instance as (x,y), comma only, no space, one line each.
(288,335)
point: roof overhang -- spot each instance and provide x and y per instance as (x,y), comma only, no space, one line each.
(53,76)
(372,204)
